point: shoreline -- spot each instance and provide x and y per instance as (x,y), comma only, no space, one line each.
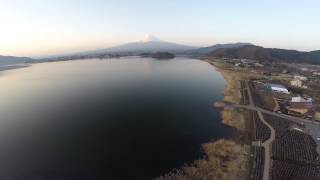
(13,66)
(238,119)
(28,64)
(224,159)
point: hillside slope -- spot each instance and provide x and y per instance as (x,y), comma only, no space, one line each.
(206,50)
(267,54)
(10,60)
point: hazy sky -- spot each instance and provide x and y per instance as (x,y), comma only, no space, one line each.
(41,27)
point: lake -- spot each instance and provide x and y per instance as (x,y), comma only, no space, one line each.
(126,118)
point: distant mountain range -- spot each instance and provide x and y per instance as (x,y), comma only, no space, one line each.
(11,60)
(151,44)
(206,50)
(267,54)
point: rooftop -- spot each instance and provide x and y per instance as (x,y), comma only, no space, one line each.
(300,99)
(277,86)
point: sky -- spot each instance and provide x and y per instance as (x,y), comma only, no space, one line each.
(47,27)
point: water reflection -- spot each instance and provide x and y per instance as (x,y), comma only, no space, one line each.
(126,118)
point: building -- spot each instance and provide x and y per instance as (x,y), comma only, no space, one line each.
(238,64)
(277,88)
(302,78)
(300,106)
(296,83)
(316,73)
(301,100)
(258,65)
(299,109)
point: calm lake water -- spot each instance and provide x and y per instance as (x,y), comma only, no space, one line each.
(127,118)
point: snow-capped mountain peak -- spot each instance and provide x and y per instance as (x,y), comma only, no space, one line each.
(150,38)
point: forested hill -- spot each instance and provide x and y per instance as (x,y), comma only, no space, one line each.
(267,54)
(9,60)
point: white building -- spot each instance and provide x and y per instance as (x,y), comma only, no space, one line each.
(258,65)
(302,78)
(301,99)
(278,88)
(316,73)
(237,64)
(296,82)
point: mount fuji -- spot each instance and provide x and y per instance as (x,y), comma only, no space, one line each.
(149,44)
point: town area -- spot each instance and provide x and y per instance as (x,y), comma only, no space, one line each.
(284,101)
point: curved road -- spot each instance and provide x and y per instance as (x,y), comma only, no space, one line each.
(268,143)
(267,148)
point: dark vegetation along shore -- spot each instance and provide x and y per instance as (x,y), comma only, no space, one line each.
(158,55)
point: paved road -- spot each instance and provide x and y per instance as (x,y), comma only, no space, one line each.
(268,143)
(284,116)
(267,148)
